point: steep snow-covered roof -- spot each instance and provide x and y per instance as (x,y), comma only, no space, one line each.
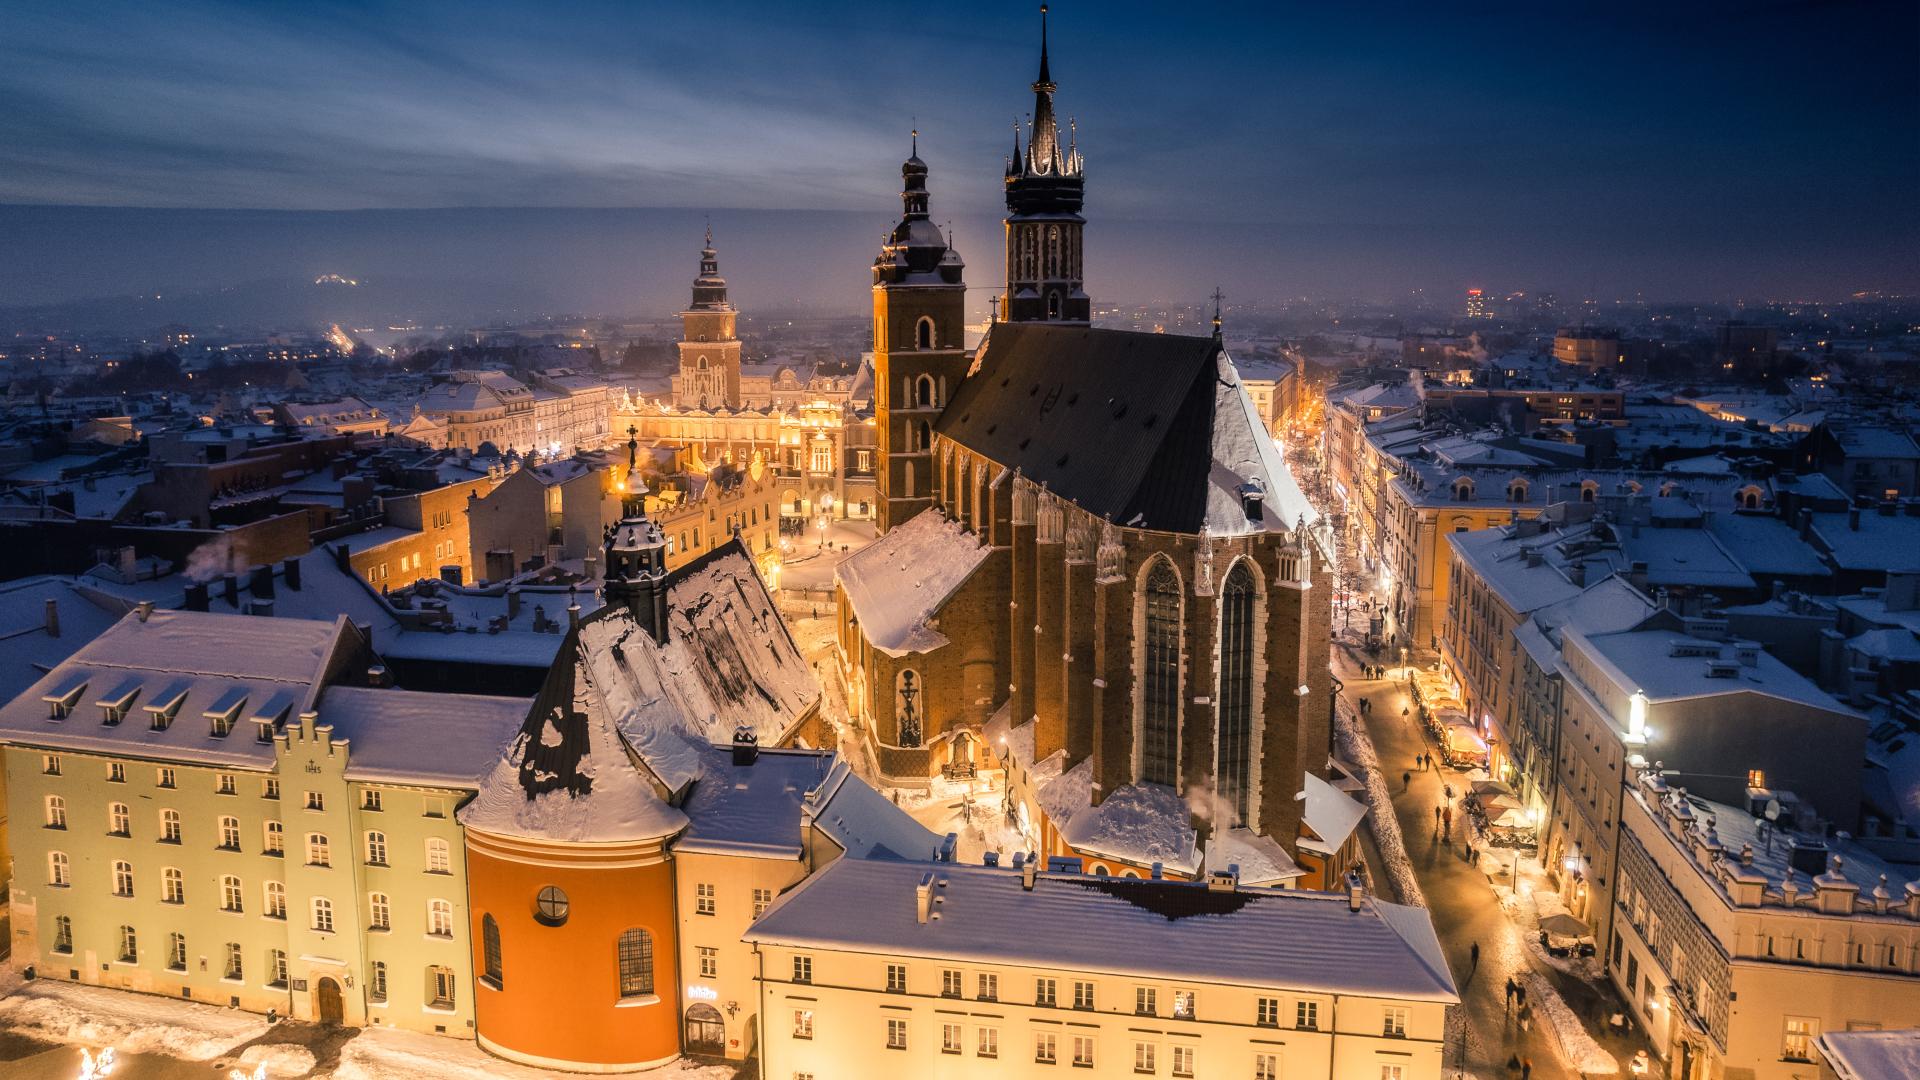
(408,737)
(1295,940)
(1872,1055)
(1331,813)
(28,648)
(1260,859)
(625,722)
(898,582)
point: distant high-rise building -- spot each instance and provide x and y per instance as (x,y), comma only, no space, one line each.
(1596,350)
(1743,345)
(1477,305)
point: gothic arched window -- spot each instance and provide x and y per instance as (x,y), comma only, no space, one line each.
(1160,685)
(1236,691)
(923,333)
(1053,251)
(923,392)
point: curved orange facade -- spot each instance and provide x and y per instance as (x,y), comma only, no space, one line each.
(559,1000)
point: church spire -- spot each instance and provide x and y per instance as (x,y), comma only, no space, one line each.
(1045,187)
(1043,144)
(709,289)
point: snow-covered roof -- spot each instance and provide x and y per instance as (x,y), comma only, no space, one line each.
(1872,1055)
(1287,939)
(1645,660)
(178,666)
(1260,859)
(1868,541)
(1332,814)
(27,649)
(1763,544)
(899,582)
(625,722)
(1141,824)
(408,737)
(759,809)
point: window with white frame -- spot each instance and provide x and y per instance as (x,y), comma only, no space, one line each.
(169,826)
(803,1023)
(119,821)
(1183,1061)
(896,978)
(63,934)
(1266,1066)
(1797,1044)
(379,912)
(440,918)
(709,962)
(1145,1056)
(987,1045)
(704,899)
(56,812)
(176,952)
(57,869)
(803,969)
(896,1033)
(762,899)
(952,1037)
(1395,1023)
(1267,1012)
(1083,995)
(376,848)
(173,885)
(276,900)
(989,986)
(319,852)
(129,946)
(1083,1051)
(123,879)
(231,893)
(1044,991)
(439,860)
(950,983)
(323,914)
(1306,1015)
(276,838)
(1146,1001)
(1046,1048)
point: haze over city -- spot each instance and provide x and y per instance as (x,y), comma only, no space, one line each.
(1666,151)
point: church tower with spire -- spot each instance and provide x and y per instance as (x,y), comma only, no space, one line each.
(709,351)
(919,354)
(1046,280)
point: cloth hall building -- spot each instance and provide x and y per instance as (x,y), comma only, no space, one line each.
(1095,570)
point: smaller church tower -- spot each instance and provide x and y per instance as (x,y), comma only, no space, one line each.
(919,353)
(636,574)
(709,351)
(1046,279)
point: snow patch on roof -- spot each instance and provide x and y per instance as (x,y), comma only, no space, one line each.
(899,582)
(1140,824)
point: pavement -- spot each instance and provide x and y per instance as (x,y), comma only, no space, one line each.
(1463,900)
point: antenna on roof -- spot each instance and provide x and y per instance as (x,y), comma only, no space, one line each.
(1218,296)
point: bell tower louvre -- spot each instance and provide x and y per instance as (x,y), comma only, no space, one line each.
(1045,186)
(919,355)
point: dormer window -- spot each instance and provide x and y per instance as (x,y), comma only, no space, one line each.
(114,705)
(161,709)
(1462,489)
(61,702)
(270,715)
(224,711)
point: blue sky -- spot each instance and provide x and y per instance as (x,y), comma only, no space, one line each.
(1642,123)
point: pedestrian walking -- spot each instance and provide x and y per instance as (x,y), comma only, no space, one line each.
(1446,819)
(1526,1069)
(1510,988)
(1436,821)
(1526,1018)
(1406,781)
(1474,954)
(1520,994)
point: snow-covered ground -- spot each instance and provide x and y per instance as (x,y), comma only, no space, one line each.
(94,1018)
(973,809)
(809,566)
(1353,743)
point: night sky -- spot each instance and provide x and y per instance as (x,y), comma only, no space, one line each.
(1633,136)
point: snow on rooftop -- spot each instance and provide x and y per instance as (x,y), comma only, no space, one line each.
(1260,859)
(898,582)
(1331,813)
(1302,941)
(1141,824)
(1243,453)
(1872,1055)
(408,737)
(1644,660)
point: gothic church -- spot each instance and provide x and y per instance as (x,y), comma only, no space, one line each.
(1095,571)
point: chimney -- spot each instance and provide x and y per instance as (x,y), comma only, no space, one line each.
(53,617)
(923,897)
(197,596)
(377,676)
(1356,891)
(1027,871)
(1223,880)
(262,583)
(1853,518)
(513,602)
(260,607)
(127,563)
(746,745)
(573,615)
(143,610)
(230,588)
(293,573)
(1806,522)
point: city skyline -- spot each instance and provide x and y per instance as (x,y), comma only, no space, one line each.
(1296,149)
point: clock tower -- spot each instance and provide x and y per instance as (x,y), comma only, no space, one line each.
(709,351)
(919,354)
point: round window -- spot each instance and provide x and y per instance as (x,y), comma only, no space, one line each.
(551,906)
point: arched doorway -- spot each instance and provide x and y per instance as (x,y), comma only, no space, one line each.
(326,1001)
(706,1031)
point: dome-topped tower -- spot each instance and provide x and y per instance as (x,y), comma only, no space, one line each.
(919,355)
(709,377)
(1045,187)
